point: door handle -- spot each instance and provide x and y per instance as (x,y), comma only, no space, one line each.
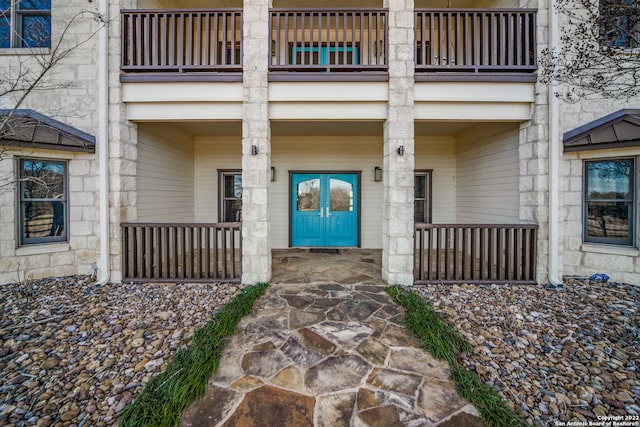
(321,216)
(328,212)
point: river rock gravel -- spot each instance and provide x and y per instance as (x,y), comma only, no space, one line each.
(555,356)
(75,353)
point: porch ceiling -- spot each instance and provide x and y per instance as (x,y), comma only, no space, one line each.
(214,128)
(326,128)
(428,128)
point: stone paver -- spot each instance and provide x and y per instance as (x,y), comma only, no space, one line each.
(328,353)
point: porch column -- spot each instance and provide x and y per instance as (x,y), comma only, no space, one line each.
(398,221)
(256,146)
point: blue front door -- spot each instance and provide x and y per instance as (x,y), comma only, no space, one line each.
(324,209)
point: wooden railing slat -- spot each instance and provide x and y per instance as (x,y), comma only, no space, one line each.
(181,252)
(475,253)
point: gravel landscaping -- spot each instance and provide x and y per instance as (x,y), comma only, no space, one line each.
(554,355)
(75,353)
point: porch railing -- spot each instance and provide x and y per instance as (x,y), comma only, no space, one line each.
(328,40)
(475,40)
(157,252)
(181,40)
(475,253)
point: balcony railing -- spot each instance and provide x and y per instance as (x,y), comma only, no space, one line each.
(475,40)
(182,40)
(328,40)
(155,252)
(472,253)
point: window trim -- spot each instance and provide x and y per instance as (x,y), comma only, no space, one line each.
(632,201)
(429,195)
(221,198)
(20,223)
(16,31)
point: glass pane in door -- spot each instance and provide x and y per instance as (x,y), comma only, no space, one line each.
(308,195)
(340,195)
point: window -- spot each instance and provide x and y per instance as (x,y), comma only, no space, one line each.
(609,201)
(43,205)
(422,192)
(620,23)
(25,23)
(230,183)
(323,54)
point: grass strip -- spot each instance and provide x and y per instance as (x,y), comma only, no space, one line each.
(167,394)
(443,342)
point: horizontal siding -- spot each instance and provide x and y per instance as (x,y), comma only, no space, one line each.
(439,154)
(327,153)
(165,174)
(211,154)
(488,175)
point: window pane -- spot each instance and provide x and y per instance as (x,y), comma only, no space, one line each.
(419,211)
(341,195)
(5,32)
(420,187)
(233,186)
(232,211)
(42,180)
(43,219)
(36,31)
(608,220)
(308,195)
(609,179)
(619,21)
(35,5)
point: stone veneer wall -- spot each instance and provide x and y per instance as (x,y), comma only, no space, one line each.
(73,101)
(53,259)
(123,151)
(534,154)
(620,263)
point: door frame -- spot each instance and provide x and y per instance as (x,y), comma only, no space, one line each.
(352,172)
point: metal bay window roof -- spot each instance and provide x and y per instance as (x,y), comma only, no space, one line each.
(619,129)
(28,128)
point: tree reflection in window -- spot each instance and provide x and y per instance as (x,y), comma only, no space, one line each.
(609,201)
(341,195)
(43,201)
(308,195)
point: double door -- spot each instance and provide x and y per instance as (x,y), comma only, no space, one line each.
(324,209)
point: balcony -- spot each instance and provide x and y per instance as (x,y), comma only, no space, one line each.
(177,42)
(475,41)
(204,44)
(336,41)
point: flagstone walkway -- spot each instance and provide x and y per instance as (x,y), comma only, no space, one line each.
(328,353)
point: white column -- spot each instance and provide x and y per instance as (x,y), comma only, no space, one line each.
(256,146)
(398,221)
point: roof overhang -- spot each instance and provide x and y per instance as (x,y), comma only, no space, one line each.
(28,128)
(616,130)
